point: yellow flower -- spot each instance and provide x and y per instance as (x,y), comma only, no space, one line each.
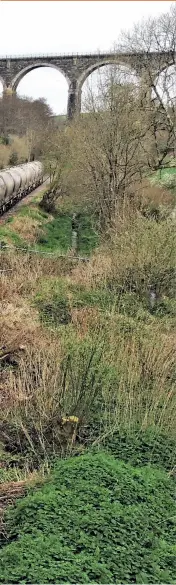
(73,419)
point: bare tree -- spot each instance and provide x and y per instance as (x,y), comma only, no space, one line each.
(108,158)
(56,159)
(128,128)
(24,117)
(155,40)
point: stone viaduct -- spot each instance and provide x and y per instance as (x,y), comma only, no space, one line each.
(76,68)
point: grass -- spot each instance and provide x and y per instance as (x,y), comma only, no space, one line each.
(88,237)
(166,178)
(55,293)
(104,356)
(46,232)
(9,236)
(167,171)
(56,235)
(33,211)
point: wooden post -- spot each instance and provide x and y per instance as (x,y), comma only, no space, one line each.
(75,226)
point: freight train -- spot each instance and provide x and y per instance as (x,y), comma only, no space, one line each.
(16,182)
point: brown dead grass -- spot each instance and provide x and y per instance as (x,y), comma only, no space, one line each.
(12,490)
(26,227)
(18,323)
(154,194)
(85,320)
(95,272)
(138,252)
(22,271)
(19,145)
(42,390)
(19,320)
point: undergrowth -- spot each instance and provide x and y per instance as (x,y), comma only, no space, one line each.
(106,356)
(97,520)
(144,447)
(51,232)
(87,363)
(57,299)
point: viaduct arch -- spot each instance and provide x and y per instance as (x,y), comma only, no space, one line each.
(76,68)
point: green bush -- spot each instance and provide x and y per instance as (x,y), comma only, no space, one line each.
(13,159)
(5,139)
(166,307)
(97,520)
(142,447)
(56,312)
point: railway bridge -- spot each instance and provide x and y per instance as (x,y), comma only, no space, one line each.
(77,67)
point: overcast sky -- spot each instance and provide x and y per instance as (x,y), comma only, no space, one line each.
(65,27)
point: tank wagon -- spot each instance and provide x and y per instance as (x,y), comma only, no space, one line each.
(17,182)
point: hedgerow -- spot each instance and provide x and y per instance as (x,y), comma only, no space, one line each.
(97,520)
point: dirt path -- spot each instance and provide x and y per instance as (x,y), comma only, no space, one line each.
(23,201)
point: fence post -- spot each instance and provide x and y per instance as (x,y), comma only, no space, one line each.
(3,245)
(75,226)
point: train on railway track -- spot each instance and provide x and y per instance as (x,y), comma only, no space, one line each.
(16,182)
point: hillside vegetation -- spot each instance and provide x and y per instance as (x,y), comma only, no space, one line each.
(115,352)
(87,363)
(87,347)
